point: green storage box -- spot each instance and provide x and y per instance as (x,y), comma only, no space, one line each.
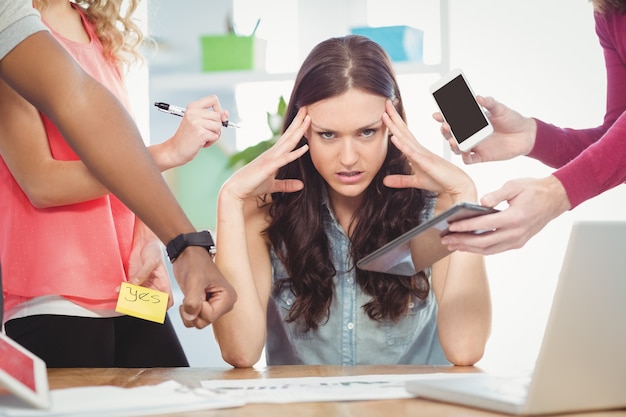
(231,52)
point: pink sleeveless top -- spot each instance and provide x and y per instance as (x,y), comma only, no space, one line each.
(79,251)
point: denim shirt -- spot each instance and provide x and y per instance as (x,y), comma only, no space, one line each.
(350,337)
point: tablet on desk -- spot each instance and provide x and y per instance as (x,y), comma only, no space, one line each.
(22,374)
(396,258)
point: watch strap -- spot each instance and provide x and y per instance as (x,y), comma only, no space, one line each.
(176,246)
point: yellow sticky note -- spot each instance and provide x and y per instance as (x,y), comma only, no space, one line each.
(144,303)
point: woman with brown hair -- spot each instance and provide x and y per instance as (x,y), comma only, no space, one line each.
(346,176)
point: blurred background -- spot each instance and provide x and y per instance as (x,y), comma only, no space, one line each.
(540,57)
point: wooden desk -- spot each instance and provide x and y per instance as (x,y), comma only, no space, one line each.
(65,378)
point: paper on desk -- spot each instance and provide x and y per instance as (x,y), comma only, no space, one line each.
(318,389)
(110,401)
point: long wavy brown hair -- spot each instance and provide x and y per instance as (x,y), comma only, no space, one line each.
(114,25)
(296,230)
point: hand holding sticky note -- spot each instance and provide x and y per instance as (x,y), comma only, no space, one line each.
(144,303)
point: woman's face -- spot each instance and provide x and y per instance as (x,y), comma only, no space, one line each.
(348,141)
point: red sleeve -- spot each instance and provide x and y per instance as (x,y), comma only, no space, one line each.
(555,146)
(599,168)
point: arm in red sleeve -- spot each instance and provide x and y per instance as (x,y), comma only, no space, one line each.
(599,168)
(555,146)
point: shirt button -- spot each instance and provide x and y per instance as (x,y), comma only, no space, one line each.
(411,305)
(350,326)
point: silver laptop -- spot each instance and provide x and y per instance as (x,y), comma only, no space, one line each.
(581,365)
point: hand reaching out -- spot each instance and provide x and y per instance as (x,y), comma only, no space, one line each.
(208,295)
(513,134)
(533,203)
(200,127)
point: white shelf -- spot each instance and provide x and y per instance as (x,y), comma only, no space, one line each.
(182,81)
(229,79)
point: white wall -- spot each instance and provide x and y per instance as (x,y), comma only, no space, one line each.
(542,58)
(137,82)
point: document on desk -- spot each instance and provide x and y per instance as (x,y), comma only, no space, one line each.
(318,389)
(109,401)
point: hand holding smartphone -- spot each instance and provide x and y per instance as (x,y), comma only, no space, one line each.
(457,102)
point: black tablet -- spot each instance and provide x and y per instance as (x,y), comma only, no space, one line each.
(395,257)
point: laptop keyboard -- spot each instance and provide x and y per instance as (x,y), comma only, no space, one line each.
(513,389)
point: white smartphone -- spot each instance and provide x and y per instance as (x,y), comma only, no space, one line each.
(457,102)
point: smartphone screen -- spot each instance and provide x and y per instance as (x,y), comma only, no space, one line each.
(461,111)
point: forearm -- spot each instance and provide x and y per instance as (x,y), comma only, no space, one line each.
(464,317)
(167,155)
(160,155)
(598,169)
(142,233)
(61,183)
(556,147)
(98,128)
(240,333)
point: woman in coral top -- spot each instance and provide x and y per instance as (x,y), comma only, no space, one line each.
(66,243)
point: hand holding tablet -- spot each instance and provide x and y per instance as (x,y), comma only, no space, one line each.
(396,257)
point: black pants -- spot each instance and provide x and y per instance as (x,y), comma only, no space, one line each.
(81,342)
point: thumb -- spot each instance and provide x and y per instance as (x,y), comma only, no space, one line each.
(288,186)
(506,193)
(487,102)
(471,157)
(190,309)
(144,272)
(398,181)
(207,102)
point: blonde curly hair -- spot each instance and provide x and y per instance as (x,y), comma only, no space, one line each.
(119,34)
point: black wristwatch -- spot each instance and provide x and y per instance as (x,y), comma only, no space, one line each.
(180,242)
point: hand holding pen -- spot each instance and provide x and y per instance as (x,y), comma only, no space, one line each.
(179,111)
(201,126)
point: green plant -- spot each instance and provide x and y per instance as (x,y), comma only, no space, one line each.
(275,123)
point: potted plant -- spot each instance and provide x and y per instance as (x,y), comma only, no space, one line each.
(275,123)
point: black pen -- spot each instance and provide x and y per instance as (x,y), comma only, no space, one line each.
(179,111)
